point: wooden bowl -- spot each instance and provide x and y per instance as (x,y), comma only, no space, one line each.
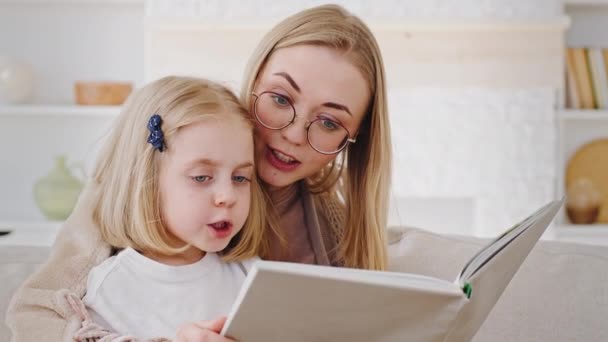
(102,93)
(591,162)
(583,215)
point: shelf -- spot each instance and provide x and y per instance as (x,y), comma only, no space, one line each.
(589,231)
(59,110)
(41,233)
(586,2)
(594,234)
(583,114)
(14,226)
(567,227)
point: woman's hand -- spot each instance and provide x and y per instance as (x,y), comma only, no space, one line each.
(202,331)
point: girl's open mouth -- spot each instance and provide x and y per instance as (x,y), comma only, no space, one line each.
(220,229)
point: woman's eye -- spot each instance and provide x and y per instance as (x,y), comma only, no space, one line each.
(280,100)
(240,179)
(329,125)
(201,179)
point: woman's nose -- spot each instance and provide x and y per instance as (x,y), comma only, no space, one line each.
(296,132)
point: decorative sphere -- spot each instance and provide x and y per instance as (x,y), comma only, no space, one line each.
(16,81)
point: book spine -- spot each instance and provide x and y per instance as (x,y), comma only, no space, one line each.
(598,77)
(572,96)
(605,64)
(583,79)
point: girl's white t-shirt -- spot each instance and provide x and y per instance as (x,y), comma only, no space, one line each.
(132,294)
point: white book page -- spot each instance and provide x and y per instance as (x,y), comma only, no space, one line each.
(488,252)
(381,278)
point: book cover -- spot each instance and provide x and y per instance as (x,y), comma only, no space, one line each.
(295,302)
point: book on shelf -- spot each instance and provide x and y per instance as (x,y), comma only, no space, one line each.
(599,81)
(586,78)
(582,77)
(572,97)
(605,58)
(295,302)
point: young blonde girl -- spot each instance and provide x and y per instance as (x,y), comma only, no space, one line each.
(173,203)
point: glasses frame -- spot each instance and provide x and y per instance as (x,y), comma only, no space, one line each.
(309,123)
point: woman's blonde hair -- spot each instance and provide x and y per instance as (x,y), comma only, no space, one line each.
(367,163)
(127,205)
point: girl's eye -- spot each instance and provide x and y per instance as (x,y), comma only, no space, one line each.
(201,179)
(240,179)
(280,100)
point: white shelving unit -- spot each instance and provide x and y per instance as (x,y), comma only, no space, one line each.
(83,40)
(588,27)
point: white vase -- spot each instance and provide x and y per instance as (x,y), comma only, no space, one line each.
(16,81)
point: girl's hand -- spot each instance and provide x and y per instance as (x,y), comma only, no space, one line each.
(202,331)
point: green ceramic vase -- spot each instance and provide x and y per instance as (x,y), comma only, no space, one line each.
(57,192)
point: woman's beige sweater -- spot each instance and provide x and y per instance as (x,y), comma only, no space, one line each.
(40,311)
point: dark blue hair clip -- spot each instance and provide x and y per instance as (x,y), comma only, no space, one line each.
(156,138)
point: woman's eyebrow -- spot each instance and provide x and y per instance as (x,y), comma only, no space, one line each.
(295,86)
(337,106)
(289,79)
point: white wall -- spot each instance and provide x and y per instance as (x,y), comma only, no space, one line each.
(65,41)
(472,91)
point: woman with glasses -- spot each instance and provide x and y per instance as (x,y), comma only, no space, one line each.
(315,86)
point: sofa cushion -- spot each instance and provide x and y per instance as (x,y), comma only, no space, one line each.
(560,293)
(16,264)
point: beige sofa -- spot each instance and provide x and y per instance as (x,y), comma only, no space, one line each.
(559,294)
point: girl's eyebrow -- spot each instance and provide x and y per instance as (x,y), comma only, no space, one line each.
(295,86)
(204,161)
(244,165)
(213,163)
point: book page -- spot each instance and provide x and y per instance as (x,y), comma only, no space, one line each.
(301,303)
(490,271)
(479,260)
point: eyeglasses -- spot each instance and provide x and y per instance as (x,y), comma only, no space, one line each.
(275,111)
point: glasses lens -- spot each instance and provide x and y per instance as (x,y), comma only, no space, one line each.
(274,110)
(327,136)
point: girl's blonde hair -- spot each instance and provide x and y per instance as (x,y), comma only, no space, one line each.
(365,187)
(127,205)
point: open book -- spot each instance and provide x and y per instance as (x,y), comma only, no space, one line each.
(296,302)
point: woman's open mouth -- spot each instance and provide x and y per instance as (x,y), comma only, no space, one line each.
(280,160)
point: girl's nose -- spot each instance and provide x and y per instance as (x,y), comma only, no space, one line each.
(225,196)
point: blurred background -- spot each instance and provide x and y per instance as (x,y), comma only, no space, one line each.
(497,106)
